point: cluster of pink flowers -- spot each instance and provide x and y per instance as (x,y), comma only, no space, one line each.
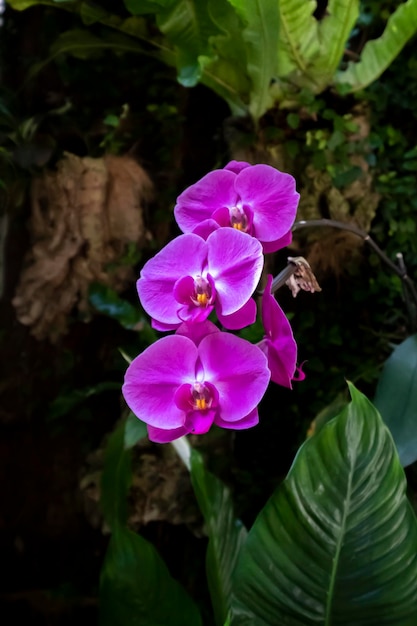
(200,376)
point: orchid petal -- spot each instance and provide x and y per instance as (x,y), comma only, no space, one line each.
(252,419)
(164,327)
(198,202)
(222,216)
(235,262)
(272,196)
(182,397)
(200,422)
(197,332)
(194,314)
(238,370)
(278,244)
(184,289)
(279,341)
(206,227)
(245,316)
(153,378)
(160,435)
(236,166)
(183,256)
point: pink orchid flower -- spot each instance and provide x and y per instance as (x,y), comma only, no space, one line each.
(185,383)
(190,277)
(255,199)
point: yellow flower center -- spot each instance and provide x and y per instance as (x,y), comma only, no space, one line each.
(202,298)
(200,404)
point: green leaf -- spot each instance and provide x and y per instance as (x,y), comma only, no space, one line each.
(396,398)
(226,535)
(116,478)
(226,71)
(22,5)
(81,44)
(188,26)
(109,303)
(297,41)
(333,31)
(91,13)
(135,430)
(141,7)
(64,403)
(136,588)
(260,33)
(379,53)
(337,542)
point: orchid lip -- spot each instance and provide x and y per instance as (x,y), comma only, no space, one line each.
(201,397)
(241,218)
(203,292)
(197,396)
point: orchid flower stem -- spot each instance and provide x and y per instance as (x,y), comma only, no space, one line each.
(283,276)
(183,449)
(280,280)
(409,288)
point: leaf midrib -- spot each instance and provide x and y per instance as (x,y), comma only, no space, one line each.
(293,46)
(329,604)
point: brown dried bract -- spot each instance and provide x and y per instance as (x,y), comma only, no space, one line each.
(84,216)
(303,277)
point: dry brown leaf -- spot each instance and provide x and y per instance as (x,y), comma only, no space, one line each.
(84,215)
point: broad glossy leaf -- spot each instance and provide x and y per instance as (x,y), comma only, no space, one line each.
(396,398)
(261,27)
(336,545)
(116,478)
(226,535)
(379,53)
(136,588)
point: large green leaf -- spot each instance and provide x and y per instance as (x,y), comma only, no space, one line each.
(226,535)
(188,26)
(226,71)
(396,398)
(141,7)
(116,478)
(297,42)
(334,31)
(108,302)
(336,545)
(135,430)
(22,5)
(260,33)
(136,588)
(379,53)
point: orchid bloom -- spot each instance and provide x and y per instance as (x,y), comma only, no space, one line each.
(278,344)
(255,199)
(185,383)
(190,277)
